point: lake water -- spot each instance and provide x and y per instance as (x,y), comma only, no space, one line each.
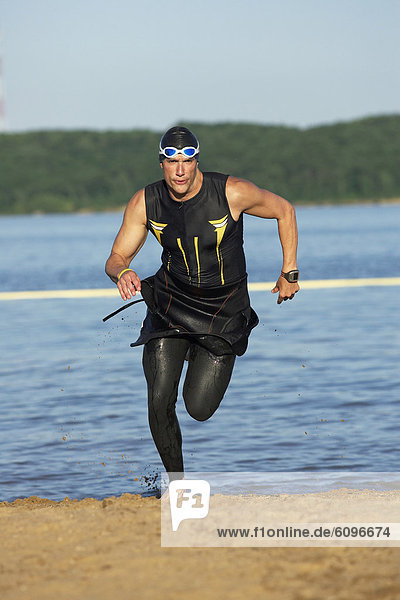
(317,390)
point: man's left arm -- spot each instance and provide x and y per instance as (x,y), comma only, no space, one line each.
(244,196)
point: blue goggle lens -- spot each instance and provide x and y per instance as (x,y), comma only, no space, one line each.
(170,151)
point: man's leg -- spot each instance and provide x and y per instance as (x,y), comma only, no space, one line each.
(206,381)
(162,363)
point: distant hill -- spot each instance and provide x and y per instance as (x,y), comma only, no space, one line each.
(63,171)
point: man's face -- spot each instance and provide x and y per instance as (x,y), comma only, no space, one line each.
(180,174)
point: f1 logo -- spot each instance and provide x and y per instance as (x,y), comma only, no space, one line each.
(189,499)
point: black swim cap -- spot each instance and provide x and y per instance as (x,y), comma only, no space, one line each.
(178,137)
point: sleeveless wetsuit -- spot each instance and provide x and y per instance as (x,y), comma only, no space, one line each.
(202,244)
(201,288)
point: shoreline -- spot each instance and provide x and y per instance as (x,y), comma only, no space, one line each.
(300,204)
(110,549)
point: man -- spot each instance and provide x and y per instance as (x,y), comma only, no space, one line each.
(198,304)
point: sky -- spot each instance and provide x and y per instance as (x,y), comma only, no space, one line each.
(123,64)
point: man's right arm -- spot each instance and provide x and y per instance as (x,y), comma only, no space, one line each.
(129,240)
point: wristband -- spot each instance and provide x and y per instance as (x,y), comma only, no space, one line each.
(122,272)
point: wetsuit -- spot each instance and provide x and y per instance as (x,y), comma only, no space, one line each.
(197,303)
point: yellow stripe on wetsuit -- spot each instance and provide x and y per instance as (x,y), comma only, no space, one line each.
(184,256)
(220,227)
(196,247)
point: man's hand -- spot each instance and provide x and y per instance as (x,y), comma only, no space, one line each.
(286,290)
(128,284)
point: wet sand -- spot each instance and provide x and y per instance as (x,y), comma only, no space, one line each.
(110,550)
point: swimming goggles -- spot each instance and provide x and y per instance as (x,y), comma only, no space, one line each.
(188,151)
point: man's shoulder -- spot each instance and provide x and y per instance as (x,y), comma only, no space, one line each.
(236,186)
(135,208)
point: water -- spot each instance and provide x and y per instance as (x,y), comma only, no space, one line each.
(316,391)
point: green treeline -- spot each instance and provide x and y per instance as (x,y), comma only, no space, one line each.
(63,171)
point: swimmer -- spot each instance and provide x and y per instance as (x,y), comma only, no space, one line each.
(198,304)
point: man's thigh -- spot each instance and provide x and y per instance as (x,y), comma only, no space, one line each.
(206,381)
(163,360)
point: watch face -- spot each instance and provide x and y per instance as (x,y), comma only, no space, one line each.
(293,276)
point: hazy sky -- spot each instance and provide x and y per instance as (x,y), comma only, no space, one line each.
(126,63)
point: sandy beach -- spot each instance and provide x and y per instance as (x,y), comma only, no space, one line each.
(110,549)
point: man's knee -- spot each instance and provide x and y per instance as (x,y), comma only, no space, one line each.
(199,414)
(200,408)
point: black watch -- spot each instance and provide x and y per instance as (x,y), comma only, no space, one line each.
(291,276)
